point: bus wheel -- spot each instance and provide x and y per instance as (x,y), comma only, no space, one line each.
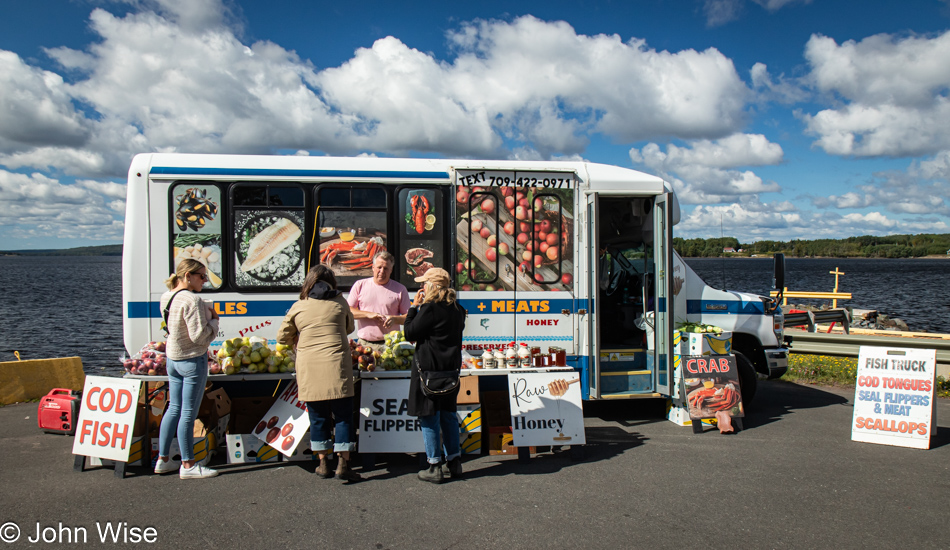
(747,379)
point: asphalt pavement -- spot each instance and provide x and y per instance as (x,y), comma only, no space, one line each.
(791,479)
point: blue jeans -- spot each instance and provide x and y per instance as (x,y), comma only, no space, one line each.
(186,387)
(341,412)
(449,443)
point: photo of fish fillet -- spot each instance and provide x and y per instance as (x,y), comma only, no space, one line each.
(270,241)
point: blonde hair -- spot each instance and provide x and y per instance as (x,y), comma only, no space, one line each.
(184,267)
(439,293)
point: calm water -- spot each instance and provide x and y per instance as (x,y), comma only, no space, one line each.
(912,290)
(65,306)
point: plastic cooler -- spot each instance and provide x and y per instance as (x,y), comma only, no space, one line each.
(58,411)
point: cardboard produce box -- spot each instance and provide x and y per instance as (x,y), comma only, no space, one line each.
(468,392)
(246,412)
(708,343)
(501,442)
(471,443)
(495,409)
(243,448)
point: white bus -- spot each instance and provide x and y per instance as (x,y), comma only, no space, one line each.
(572,255)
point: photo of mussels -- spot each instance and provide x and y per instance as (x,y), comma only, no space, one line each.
(195,209)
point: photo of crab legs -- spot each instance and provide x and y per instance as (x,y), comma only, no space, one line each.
(351,254)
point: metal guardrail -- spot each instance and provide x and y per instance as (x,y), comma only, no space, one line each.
(813,318)
(847,345)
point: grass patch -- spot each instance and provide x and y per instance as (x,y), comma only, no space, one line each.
(829,370)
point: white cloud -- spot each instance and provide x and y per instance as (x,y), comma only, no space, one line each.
(178,79)
(720,12)
(781,91)
(705,172)
(898,193)
(892,90)
(35,205)
(35,108)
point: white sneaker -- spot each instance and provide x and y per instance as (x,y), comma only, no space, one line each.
(166,466)
(196,472)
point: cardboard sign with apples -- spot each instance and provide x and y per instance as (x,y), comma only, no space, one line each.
(285,423)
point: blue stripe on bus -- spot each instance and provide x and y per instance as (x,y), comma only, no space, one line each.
(152,310)
(724,307)
(178,171)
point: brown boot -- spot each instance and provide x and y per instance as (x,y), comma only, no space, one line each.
(323,470)
(344,472)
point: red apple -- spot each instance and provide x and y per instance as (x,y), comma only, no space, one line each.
(552,239)
(526,256)
(542,235)
(538,277)
(520,195)
(478,189)
(285,431)
(510,228)
(503,249)
(567,279)
(485,232)
(288,443)
(462,196)
(546,226)
(491,254)
(488,206)
(543,247)
(552,253)
(492,240)
(538,205)
(466,288)
(460,268)
(524,267)
(530,246)
(521,213)
(509,203)
(476,225)
(522,238)
(507,191)
(523,202)
(537,260)
(524,227)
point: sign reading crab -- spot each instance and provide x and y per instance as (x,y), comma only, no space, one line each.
(711,385)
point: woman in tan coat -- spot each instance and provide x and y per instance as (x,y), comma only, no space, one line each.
(318,325)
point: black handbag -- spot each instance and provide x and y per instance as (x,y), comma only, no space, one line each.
(437,383)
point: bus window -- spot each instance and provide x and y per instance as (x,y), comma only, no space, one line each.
(268,222)
(420,233)
(353,228)
(481,249)
(196,228)
(546,252)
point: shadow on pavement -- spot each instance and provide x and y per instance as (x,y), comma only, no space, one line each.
(775,399)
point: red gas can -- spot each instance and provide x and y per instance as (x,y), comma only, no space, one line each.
(58,412)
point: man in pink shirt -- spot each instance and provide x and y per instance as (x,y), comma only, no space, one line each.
(379,304)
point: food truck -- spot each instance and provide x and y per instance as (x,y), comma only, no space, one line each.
(572,259)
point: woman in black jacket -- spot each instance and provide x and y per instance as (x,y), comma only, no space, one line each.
(435,322)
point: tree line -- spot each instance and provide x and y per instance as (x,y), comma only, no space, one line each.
(890,246)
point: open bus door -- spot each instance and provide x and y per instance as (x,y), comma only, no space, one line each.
(593,278)
(663,309)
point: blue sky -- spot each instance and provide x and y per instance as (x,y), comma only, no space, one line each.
(783,118)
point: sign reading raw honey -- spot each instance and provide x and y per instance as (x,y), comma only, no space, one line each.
(546,408)
(893,398)
(107,418)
